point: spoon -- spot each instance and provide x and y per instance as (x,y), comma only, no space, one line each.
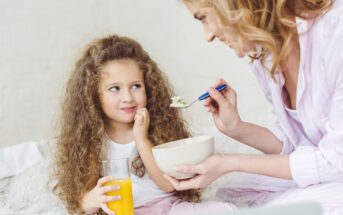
(202,97)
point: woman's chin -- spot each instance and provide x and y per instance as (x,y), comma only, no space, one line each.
(240,54)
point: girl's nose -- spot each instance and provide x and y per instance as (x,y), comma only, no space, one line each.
(127,97)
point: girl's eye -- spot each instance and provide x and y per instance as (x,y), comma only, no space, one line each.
(114,89)
(136,86)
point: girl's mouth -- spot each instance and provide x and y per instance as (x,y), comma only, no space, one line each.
(129,109)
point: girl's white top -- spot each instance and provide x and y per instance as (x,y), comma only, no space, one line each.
(144,189)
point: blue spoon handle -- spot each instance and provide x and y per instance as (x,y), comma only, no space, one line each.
(206,95)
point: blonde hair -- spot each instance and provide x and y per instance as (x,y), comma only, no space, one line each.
(82,127)
(270,23)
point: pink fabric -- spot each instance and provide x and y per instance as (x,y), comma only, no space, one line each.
(171,205)
(315,143)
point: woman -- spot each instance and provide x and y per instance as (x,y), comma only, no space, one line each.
(296,50)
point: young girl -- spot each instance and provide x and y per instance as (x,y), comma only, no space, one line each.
(117,105)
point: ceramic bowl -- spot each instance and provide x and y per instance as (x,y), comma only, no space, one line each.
(191,150)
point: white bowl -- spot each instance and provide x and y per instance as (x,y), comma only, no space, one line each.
(191,150)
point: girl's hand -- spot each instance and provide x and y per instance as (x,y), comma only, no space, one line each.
(223,106)
(141,125)
(207,172)
(96,198)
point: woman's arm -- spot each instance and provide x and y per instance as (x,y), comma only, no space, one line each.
(144,147)
(209,170)
(257,137)
(223,107)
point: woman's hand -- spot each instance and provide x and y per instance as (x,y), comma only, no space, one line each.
(223,106)
(96,198)
(207,172)
(141,125)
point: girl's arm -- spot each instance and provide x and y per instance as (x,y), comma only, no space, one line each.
(144,146)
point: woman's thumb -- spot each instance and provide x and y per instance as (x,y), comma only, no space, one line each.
(217,96)
(192,169)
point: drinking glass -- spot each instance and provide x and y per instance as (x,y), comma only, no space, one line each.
(119,169)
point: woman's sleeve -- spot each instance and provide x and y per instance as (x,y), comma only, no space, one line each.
(313,165)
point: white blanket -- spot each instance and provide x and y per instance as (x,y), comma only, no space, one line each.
(18,158)
(28,192)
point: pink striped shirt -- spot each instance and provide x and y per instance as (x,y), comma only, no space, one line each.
(315,143)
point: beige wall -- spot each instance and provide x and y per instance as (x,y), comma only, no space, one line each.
(40,40)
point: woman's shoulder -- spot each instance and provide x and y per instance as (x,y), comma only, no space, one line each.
(331,23)
(330,38)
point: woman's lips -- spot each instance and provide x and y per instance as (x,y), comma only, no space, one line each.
(128,109)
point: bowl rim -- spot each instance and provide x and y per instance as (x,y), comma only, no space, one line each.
(161,148)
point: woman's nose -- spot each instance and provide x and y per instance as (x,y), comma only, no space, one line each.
(209,36)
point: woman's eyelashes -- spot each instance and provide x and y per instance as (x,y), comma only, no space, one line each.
(201,18)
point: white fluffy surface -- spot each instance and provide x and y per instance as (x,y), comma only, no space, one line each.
(29,192)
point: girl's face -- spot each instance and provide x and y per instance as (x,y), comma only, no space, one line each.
(122,90)
(212,29)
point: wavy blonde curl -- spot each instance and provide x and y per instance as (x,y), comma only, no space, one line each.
(82,124)
(270,23)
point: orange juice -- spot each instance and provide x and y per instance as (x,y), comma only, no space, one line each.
(125,205)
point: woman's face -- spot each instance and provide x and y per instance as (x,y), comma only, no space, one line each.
(212,29)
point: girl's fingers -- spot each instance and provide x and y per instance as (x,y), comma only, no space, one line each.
(103,180)
(142,115)
(106,209)
(112,198)
(110,188)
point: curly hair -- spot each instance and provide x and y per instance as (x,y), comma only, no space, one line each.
(270,23)
(82,124)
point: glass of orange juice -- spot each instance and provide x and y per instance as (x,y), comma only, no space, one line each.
(119,169)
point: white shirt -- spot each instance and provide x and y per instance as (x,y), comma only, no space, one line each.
(316,151)
(293,113)
(144,189)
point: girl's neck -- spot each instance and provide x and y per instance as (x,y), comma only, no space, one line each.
(120,133)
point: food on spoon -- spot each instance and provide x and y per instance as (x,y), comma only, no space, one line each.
(177,102)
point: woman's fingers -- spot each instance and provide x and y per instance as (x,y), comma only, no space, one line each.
(193,169)
(219,82)
(173,181)
(103,180)
(106,209)
(184,184)
(217,96)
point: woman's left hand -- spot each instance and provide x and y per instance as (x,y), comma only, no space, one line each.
(141,125)
(207,172)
